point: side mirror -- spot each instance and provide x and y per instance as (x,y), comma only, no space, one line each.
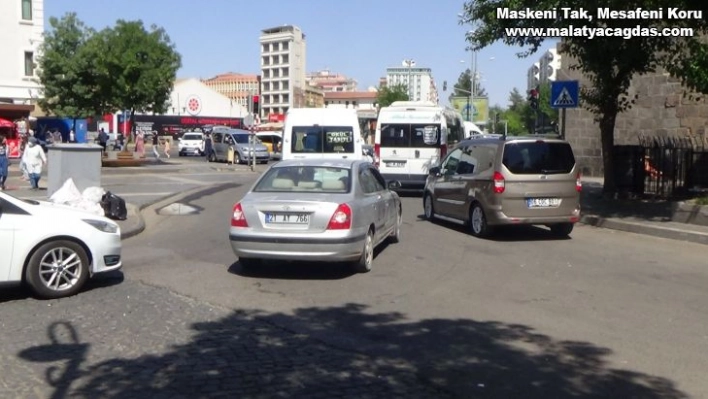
(434,171)
(394,184)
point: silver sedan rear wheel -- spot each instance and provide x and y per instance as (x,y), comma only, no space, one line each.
(395,236)
(363,265)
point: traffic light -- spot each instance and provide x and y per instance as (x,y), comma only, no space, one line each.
(255,107)
(445,85)
(533,98)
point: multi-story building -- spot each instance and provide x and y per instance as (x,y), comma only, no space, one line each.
(544,70)
(326,81)
(283,76)
(235,86)
(314,97)
(359,100)
(418,80)
(21,34)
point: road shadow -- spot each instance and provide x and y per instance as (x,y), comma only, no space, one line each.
(346,351)
(97,282)
(594,202)
(503,233)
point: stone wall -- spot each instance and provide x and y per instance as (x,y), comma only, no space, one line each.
(663,108)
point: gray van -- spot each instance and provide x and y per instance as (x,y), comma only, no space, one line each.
(223,138)
(490,182)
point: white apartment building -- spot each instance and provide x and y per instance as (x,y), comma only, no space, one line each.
(545,69)
(21,30)
(283,76)
(419,81)
(327,81)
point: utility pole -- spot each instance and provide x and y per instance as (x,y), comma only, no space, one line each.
(410,64)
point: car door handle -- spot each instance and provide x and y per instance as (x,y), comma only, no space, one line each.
(379,197)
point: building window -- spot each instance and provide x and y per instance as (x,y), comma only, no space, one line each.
(285,46)
(353,104)
(285,59)
(27,10)
(29,63)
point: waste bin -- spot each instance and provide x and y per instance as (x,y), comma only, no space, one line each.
(81,162)
(629,168)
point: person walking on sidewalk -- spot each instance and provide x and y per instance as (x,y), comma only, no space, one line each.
(4,161)
(155,144)
(35,159)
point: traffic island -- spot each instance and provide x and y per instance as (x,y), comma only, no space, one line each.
(121,159)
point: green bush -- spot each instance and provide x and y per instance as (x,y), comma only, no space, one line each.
(702,201)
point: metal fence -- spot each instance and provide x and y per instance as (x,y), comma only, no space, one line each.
(662,166)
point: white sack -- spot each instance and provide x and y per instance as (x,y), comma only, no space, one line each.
(90,206)
(68,194)
(93,194)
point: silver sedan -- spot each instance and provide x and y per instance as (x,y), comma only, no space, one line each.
(316,210)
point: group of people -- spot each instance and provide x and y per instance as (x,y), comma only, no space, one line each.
(119,144)
(31,164)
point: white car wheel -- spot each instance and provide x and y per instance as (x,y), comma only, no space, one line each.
(57,269)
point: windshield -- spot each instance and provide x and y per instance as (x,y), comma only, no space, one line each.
(538,157)
(403,135)
(192,137)
(323,139)
(305,179)
(242,138)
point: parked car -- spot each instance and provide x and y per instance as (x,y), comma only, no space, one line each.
(274,141)
(489,182)
(191,143)
(240,141)
(54,249)
(316,210)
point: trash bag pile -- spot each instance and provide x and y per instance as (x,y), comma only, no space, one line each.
(95,200)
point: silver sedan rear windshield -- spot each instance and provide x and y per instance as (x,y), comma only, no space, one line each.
(320,179)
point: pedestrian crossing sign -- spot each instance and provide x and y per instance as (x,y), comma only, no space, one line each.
(564,94)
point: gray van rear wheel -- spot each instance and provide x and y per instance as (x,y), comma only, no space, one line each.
(478,221)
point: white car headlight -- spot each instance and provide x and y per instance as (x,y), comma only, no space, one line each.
(105,227)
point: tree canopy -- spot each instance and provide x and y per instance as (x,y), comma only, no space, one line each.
(463,87)
(125,67)
(388,94)
(608,62)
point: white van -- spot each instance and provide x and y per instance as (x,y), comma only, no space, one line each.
(412,136)
(322,133)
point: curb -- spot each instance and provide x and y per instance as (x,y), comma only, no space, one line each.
(136,210)
(646,229)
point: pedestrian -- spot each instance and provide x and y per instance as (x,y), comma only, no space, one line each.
(167,147)
(140,144)
(155,143)
(208,147)
(4,161)
(103,140)
(72,136)
(35,159)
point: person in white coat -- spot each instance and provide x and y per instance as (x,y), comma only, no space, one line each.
(34,158)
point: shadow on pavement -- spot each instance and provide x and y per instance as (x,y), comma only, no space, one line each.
(246,354)
(593,202)
(503,233)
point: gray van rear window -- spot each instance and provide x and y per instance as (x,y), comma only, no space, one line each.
(538,157)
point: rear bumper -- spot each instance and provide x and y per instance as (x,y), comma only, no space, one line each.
(498,217)
(314,249)
(409,182)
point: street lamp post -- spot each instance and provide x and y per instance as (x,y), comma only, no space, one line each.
(410,64)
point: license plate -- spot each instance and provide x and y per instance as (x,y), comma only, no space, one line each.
(287,218)
(395,164)
(543,202)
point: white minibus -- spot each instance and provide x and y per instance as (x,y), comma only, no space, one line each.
(322,133)
(412,136)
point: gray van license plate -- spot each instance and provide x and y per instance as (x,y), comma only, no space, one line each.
(543,202)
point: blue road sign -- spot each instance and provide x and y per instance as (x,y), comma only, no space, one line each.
(564,94)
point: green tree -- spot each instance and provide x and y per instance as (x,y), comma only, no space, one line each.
(65,70)
(516,100)
(608,62)
(463,87)
(137,67)
(388,94)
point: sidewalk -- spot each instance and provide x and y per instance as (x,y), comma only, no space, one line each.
(655,218)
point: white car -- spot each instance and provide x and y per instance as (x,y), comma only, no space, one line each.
(191,143)
(52,248)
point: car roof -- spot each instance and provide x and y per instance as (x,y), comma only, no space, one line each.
(335,163)
(507,139)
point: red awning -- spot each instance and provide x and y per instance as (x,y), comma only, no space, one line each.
(6,123)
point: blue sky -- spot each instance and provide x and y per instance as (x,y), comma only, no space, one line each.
(358,38)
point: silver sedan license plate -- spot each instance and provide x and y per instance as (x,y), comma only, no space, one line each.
(287,218)
(543,202)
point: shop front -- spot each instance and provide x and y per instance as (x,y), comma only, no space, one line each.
(12,117)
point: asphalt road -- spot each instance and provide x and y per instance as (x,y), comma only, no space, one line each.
(604,313)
